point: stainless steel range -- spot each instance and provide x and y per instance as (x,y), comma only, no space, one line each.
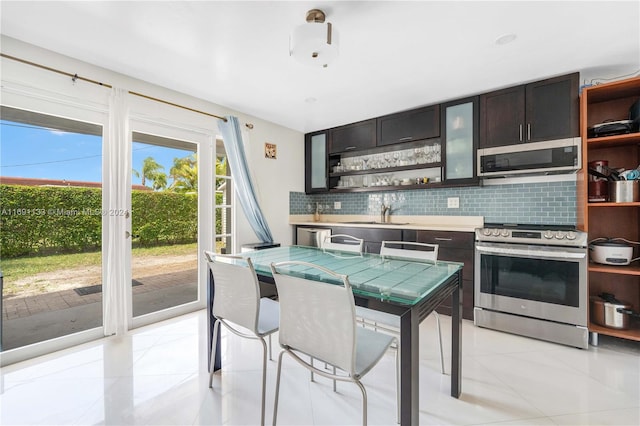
(532,280)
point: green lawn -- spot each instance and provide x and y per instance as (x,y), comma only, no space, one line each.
(15,269)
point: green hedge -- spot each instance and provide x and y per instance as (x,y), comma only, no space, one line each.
(164,217)
(45,220)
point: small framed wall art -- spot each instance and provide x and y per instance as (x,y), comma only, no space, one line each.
(270,150)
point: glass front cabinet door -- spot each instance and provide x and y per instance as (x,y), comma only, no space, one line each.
(460,125)
(316,171)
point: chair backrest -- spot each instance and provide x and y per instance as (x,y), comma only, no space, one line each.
(347,243)
(236,290)
(316,318)
(415,252)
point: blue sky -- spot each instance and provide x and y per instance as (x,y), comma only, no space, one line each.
(36,152)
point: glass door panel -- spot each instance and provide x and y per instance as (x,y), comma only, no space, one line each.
(164,224)
(459,141)
(319,161)
(51,227)
(315,153)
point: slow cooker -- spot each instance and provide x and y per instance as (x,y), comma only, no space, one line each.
(611,252)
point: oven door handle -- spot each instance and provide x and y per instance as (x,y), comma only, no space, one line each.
(538,253)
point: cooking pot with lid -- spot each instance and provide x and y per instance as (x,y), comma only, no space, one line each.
(610,312)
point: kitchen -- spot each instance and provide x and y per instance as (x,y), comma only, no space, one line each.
(548,201)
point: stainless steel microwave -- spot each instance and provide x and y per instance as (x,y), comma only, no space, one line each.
(548,157)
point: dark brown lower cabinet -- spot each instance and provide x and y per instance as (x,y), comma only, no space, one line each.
(455,247)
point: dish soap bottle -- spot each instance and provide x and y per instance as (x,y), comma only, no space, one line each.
(316,215)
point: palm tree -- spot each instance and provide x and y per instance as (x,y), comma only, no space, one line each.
(152,171)
(160,182)
(184,173)
(221,170)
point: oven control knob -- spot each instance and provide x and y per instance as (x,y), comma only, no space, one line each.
(571,235)
(560,235)
(496,232)
(505,233)
(548,235)
(486,231)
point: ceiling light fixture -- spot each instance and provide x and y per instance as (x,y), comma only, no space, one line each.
(314,43)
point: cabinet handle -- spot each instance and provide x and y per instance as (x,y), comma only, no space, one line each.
(528,131)
(406,138)
(349,148)
(443,239)
(521,133)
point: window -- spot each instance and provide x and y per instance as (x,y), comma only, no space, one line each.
(223,202)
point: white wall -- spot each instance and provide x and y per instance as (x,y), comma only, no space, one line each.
(273,179)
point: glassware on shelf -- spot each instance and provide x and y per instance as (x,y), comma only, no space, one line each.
(377,162)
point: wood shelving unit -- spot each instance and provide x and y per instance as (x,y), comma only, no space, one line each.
(599,103)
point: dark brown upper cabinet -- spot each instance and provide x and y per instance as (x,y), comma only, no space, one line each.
(407,126)
(539,111)
(553,108)
(353,137)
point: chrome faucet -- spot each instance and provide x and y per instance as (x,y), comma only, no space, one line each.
(384,212)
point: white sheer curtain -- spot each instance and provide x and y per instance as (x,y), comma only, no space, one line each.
(233,145)
(117,178)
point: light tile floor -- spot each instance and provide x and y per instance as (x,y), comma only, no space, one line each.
(156,375)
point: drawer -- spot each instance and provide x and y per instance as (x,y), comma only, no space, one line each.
(370,234)
(446,238)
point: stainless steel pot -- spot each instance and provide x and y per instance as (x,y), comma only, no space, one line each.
(624,191)
(607,311)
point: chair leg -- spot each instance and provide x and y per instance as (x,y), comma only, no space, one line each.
(364,402)
(312,371)
(334,380)
(398,383)
(264,378)
(212,355)
(270,357)
(275,404)
(440,342)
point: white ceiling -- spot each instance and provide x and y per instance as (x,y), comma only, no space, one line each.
(393,55)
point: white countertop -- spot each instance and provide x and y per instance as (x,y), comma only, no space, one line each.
(427,223)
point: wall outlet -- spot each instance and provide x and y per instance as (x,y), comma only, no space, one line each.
(337,205)
(453,202)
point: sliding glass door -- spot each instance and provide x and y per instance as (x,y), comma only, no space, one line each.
(164,224)
(51,227)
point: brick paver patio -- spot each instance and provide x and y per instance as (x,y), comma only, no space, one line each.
(22,315)
(19,307)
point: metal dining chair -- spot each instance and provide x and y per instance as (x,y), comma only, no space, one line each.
(238,306)
(344,243)
(391,323)
(317,319)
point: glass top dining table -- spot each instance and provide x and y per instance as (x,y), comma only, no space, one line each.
(394,279)
(408,288)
